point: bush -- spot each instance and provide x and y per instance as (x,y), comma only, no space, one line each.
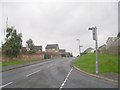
(31,51)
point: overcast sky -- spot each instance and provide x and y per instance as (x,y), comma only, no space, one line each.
(61,22)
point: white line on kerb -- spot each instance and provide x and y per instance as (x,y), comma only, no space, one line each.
(6,84)
(65,79)
(32,73)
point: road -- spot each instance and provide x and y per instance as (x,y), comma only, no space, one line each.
(56,73)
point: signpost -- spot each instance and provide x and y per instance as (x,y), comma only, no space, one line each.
(94,30)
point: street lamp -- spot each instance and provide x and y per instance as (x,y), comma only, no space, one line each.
(94,30)
(79,46)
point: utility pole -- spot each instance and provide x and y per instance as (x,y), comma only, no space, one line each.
(5,30)
(79,46)
(94,29)
(6,25)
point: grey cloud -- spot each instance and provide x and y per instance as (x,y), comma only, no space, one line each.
(63,22)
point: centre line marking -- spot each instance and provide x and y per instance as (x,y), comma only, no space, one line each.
(66,79)
(32,73)
(6,84)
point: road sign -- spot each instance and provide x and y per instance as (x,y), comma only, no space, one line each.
(94,34)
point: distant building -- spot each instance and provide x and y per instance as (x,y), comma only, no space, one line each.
(38,49)
(52,48)
(113,45)
(110,41)
(62,52)
(89,50)
(102,49)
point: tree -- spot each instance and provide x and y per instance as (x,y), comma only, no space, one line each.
(30,45)
(13,42)
(71,55)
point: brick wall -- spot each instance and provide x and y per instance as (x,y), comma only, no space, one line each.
(24,57)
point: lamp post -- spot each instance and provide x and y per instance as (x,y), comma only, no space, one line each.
(94,30)
(79,46)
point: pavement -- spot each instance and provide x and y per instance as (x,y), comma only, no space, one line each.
(57,73)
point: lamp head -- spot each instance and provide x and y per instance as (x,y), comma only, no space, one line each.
(91,28)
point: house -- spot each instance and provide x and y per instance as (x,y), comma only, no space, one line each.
(62,52)
(102,49)
(38,49)
(89,50)
(110,41)
(113,45)
(52,48)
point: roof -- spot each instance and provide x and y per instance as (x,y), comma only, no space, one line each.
(103,46)
(50,46)
(88,49)
(112,39)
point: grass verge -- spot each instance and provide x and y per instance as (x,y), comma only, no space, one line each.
(106,63)
(16,62)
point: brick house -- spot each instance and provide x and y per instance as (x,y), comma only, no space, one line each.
(38,49)
(52,48)
(62,52)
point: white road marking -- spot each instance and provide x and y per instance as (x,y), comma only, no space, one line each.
(6,85)
(41,63)
(32,73)
(65,79)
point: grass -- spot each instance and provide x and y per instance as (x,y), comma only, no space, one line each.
(107,63)
(16,62)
